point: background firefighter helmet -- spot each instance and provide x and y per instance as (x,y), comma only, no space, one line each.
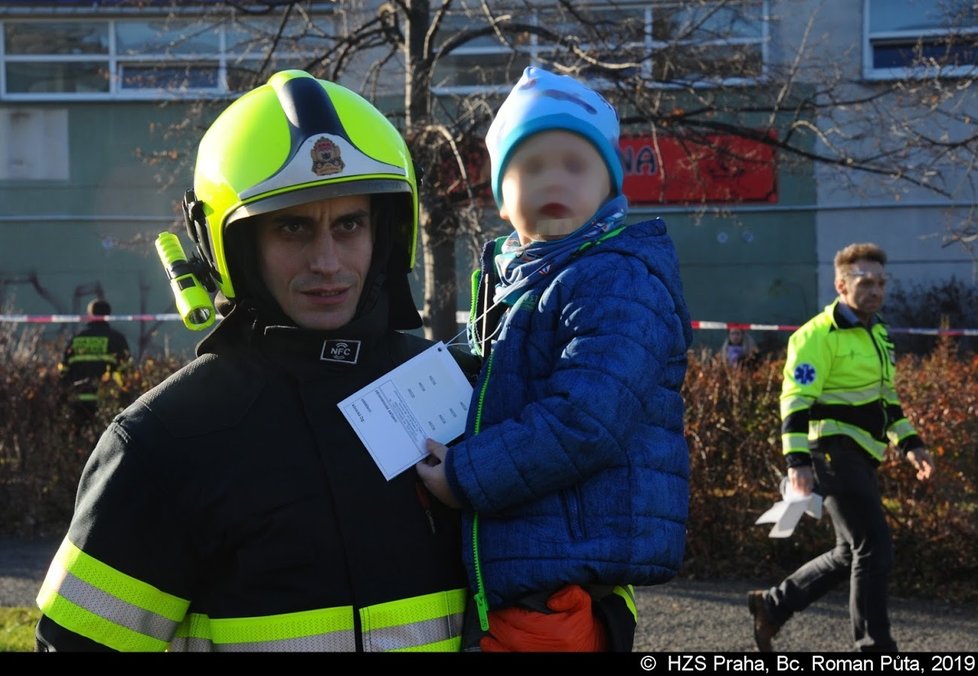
(294,140)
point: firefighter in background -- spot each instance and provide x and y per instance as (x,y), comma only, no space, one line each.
(96,355)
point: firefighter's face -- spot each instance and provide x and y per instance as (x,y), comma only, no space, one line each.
(314,259)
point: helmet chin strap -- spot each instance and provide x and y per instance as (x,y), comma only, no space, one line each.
(241,251)
(388,276)
(377,274)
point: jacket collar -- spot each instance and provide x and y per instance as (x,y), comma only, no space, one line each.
(343,347)
(844,317)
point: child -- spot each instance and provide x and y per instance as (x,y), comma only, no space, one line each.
(574,468)
(739,347)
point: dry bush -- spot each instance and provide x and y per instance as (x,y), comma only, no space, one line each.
(733,427)
(42,448)
(935,523)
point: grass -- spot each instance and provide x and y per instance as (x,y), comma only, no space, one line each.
(17,629)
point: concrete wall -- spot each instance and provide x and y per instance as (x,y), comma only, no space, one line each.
(65,240)
(766,263)
(911,223)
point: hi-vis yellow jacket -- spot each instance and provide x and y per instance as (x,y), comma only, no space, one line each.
(838,379)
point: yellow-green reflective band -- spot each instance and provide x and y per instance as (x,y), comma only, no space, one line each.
(102,629)
(325,630)
(628,594)
(92,599)
(791,404)
(794,443)
(107,358)
(432,622)
(90,343)
(849,397)
(900,430)
(825,428)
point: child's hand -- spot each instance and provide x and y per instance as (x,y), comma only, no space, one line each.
(432,473)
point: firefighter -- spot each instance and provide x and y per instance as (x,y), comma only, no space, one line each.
(96,355)
(232,507)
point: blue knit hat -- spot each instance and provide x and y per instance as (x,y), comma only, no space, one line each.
(543,101)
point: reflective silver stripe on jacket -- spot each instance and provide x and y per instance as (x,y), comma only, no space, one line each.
(114,609)
(338,641)
(412,635)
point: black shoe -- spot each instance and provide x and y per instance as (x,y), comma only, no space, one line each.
(764,627)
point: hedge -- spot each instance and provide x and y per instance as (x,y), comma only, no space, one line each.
(732,426)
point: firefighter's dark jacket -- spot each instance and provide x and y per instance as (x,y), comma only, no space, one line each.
(234,508)
(90,354)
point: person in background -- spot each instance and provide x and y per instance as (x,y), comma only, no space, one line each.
(95,355)
(233,507)
(840,411)
(738,347)
(573,474)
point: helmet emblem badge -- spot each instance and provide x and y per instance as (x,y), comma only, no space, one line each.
(326,158)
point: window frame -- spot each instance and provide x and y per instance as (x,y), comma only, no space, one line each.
(909,38)
(115,62)
(534,51)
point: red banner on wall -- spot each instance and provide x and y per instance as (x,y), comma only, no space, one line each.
(719,168)
(661,170)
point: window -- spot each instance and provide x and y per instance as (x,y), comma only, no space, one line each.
(670,41)
(171,54)
(484,62)
(702,43)
(920,38)
(33,144)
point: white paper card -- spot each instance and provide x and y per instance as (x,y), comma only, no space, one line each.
(425,397)
(786,514)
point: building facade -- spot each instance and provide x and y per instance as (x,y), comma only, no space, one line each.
(102,101)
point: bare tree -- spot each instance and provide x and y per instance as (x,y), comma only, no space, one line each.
(696,71)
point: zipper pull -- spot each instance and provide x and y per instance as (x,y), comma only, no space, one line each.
(483,609)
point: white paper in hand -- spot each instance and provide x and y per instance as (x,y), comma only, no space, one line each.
(786,514)
(425,397)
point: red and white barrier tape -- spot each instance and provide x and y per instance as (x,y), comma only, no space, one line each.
(706,325)
(789,327)
(77,319)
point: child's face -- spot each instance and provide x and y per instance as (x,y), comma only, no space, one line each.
(553,184)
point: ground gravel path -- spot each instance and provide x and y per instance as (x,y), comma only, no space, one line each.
(681,616)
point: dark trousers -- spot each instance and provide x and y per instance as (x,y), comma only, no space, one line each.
(863,552)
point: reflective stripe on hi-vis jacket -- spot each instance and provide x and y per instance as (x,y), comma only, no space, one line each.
(135,616)
(839,380)
(429,623)
(627,593)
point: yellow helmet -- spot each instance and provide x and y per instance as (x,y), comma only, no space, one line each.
(294,140)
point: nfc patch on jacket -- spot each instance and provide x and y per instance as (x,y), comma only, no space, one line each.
(341,351)
(804,374)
